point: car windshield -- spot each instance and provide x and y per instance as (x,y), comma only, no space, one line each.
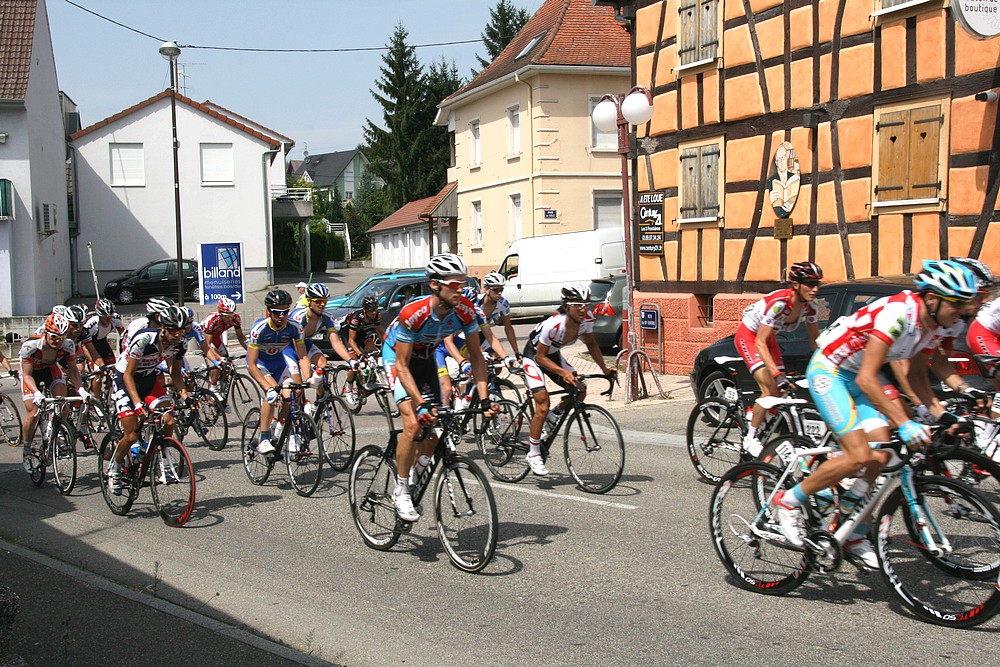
(380,289)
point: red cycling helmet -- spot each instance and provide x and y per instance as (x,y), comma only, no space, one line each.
(803,271)
(227,305)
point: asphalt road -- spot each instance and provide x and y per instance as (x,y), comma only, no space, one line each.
(627,578)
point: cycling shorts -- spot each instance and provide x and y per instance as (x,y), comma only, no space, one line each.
(534,376)
(292,357)
(425,374)
(149,386)
(46,376)
(746,345)
(841,403)
(104,349)
(278,366)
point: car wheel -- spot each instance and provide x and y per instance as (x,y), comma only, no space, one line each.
(196,294)
(714,385)
(126,296)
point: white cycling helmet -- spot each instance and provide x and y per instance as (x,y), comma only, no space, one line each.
(446,264)
(576,292)
(494,279)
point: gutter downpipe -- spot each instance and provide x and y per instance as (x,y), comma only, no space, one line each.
(531,148)
(267,213)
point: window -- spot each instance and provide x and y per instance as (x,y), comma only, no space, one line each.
(599,138)
(217,164)
(513,131)
(474,148)
(705,309)
(515,229)
(701,185)
(509,267)
(6,199)
(530,45)
(476,233)
(698,32)
(608,210)
(896,7)
(160,270)
(127,165)
(909,143)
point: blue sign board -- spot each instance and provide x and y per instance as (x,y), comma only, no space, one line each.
(550,214)
(220,271)
(649,319)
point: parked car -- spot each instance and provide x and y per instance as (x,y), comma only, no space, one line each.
(710,376)
(157,278)
(391,290)
(608,311)
(339,300)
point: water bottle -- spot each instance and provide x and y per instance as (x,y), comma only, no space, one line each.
(417,471)
(276,427)
(138,449)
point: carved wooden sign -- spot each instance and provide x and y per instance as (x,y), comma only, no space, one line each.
(979,17)
(783,183)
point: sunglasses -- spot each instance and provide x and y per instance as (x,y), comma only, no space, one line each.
(175,332)
(453,284)
(498,290)
(279,313)
(319,301)
(958,303)
(811,283)
(576,304)
(56,337)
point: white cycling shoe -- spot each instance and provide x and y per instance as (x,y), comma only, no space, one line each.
(862,551)
(537,465)
(789,520)
(404,507)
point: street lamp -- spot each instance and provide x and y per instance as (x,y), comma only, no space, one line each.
(621,111)
(170,52)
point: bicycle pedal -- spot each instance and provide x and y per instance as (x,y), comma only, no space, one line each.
(404,526)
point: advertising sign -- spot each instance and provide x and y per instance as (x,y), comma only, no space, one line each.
(979,17)
(651,223)
(221,271)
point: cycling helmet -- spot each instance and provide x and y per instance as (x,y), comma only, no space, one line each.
(947,278)
(175,317)
(369,303)
(446,264)
(56,324)
(317,291)
(190,312)
(494,279)
(76,314)
(470,293)
(60,310)
(987,280)
(158,304)
(576,292)
(802,271)
(227,306)
(104,308)
(277,298)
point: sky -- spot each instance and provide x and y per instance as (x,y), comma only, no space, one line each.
(320,100)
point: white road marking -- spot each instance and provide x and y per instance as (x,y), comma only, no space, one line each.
(560,496)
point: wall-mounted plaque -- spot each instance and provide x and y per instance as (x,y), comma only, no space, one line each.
(783,228)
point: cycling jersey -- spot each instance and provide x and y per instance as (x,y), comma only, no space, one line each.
(500,311)
(37,353)
(214,325)
(271,342)
(984,331)
(322,325)
(196,334)
(136,325)
(419,324)
(360,324)
(98,331)
(144,346)
(552,332)
(774,311)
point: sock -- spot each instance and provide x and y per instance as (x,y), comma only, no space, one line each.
(534,447)
(751,431)
(795,497)
(265,435)
(859,532)
(402,486)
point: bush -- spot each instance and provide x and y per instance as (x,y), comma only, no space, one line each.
(318,251)
(335,248)
(285,247)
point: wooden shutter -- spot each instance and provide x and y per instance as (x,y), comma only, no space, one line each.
(708,183)
(709,29)
(892,156)
(687,20)
(690,171)
(924,142)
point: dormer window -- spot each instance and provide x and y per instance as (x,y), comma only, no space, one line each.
(530,45)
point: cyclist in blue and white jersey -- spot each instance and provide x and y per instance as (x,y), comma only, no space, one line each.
(313,320)
(496,309)
(266,361)
(845,384)
(137,380)
(408,355)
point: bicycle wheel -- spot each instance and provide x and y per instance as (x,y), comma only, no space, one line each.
(304,454)
(957,588)
(594,448)
(257,466)
(502,389)
(171,481)
(40,461)
(369,491)
(968,466)
(97,421)
(10,421)
(62,450)
(715,431)
(337,425)
(244,396)
(466,514)
(503,442)
(121,502)
(745,533)
(209,422)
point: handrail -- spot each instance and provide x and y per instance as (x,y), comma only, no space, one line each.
(291,194)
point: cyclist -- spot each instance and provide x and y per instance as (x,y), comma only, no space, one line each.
(154,307)
(6,364)
(40,356)
(408,356)
(542,357)
(266,361)
(313,320)
(98,327)
(138,384)
(496,309)
(363,332)
(780,311)
(845,384)
(224,318)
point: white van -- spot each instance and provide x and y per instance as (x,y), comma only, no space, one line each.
(537,268)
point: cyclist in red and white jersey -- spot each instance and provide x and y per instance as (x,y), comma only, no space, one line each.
(782,310)
(224,318)
(845,384)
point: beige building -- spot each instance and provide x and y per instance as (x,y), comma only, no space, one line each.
(525,153)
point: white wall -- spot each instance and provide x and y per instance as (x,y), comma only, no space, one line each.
(400,248)
(132,225)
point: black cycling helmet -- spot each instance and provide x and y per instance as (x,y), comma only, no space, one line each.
(803,271)
(277,298)
(987,281)
(104,308)
(369,303)
(174,317)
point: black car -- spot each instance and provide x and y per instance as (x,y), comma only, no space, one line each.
(157,278)
(711,375)
(391,290)
(610,296)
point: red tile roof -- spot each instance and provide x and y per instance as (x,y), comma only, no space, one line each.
(271,141)
(576,33)
(406,215)
(237,116)
(436,200)
(17,31)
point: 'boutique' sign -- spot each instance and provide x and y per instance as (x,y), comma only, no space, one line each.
(979,17)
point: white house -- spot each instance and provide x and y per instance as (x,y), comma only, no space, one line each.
(414,232)
(34,233)
(227,167)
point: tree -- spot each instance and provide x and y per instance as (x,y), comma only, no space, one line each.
(442,80)
(505,22)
